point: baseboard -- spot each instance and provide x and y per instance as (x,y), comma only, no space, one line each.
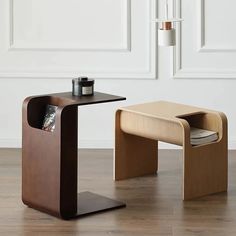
(10,143)
(98,144)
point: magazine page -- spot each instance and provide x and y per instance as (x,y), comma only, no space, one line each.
(49,118)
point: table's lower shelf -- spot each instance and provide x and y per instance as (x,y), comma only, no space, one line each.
(89,203)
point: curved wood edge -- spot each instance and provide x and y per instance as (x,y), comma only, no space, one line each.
(205,167)
(224,122)
(65,138)
(186,132)
(151,127)
(219,118)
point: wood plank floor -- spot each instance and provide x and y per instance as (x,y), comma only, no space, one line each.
(154,203)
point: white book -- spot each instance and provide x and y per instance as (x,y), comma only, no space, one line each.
(202,136)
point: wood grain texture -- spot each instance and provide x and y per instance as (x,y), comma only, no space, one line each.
(205,167)
(140,152)
(49,159)
(154,205)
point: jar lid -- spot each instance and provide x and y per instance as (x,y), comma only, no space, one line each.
(83,78)
(85,81)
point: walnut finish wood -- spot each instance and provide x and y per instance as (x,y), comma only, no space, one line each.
(88,203)
(205,167)
(49,159)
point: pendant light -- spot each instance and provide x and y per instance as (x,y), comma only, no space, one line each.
(166,31)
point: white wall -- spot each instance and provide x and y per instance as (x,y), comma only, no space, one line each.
(194,82)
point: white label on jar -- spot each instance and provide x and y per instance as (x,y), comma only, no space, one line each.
(87,90)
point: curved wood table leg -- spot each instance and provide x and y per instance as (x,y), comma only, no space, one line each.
(49,160)
(206,167)
(134,155)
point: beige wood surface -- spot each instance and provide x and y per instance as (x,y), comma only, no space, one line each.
(154,206)
(141,152)
(205,167)
(166,110)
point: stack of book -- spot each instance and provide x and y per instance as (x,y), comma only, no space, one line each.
(202,136)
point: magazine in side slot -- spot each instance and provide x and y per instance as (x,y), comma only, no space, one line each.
(49,118)
(202,136)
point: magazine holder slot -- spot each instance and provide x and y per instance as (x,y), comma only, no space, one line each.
(204,120)
(154,127)
(36,109)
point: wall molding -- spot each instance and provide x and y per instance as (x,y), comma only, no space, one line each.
(202,46)
(177,50)
(58,70)
(125,46)
(179,72)
(101,144)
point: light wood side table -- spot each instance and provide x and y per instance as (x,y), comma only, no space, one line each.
(140,127)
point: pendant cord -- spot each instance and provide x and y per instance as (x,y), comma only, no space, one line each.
(166,9)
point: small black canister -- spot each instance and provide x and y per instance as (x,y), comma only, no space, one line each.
(82,86)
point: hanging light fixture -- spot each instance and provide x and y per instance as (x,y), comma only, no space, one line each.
(166,31)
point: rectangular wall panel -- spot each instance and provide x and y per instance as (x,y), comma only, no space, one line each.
(216,33)
(206,45)
(44,24)
(68,38)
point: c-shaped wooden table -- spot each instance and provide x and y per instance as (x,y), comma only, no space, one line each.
(140,127)
(49,159)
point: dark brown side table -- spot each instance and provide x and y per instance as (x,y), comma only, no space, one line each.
(49,159)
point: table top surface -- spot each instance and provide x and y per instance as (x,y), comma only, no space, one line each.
(164,109)
(67,98)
